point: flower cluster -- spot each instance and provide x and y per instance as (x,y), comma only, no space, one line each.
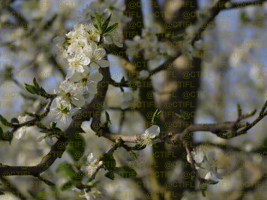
(149,45)
(83,48)
(205,159)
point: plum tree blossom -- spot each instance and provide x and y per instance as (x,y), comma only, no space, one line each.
(205,159)
(150,134)
(21,131)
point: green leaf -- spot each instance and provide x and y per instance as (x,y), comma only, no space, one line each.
(50,22)
(203,193)
(67,168)
(98,22)
(31,89)
(76,146)
(107,117)
(203,187)
(3,120)
(1,192)
(14,121)
(123,80)
(109,161)
(156,114)
(211,182)
(111,28)
(125,172)
(67,185)
(139,147)
(110,175)
(35,83)
(95,25)
(53,125)
(106,23)
(178,37)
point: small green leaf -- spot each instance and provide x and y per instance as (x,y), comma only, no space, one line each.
(106,23)
(109,161)
(35,83)
(203,193)
(111,28)
(14,121)
(31,89)
(107,117)
(139,147)
(178,37)
(67,185)
(156,114)
(211,182)
(95,25)
(50,22)
(123,80)
(98,22)
(110,175)
(125,171)
(53,125)
(252,112)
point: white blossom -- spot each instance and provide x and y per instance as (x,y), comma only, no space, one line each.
(143,74)
(96,55)
(22,130)
(205,159)
(62,109)
(92,165)
(150,134)
(71,93)
(88,81)
(134,46)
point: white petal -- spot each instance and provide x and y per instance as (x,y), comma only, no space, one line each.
(103,63)
(107,39)
(99,53)
(96,77)
(40,138)
(208,176)
(91,89)
(86,126)
(153,129)
(85,61)
(125,105)
(127,96)
(49,141)
(118,44)
(78,102)
(94,65)
(90,157)
(70,72)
